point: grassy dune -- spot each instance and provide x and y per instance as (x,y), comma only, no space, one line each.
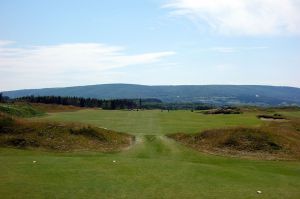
(20,110)
(155,167)
(19,133)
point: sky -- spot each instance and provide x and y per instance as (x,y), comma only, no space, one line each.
(59,43)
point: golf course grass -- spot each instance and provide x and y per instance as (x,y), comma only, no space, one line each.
(154,167)
(155,122)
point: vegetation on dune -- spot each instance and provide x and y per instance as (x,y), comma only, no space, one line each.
(20,110)
(23,109)
(270,141)
(224,110)
(20,133)
(50,108)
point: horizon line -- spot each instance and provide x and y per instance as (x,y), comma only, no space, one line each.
(267,85)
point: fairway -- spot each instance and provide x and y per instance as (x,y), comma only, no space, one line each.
(154,167)
(155,122)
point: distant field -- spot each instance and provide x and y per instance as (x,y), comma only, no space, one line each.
(155,167)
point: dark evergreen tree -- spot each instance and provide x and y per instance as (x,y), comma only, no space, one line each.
(140,103)
(82,102)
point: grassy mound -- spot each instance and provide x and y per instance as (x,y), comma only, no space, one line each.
(52,108)
(20,110)
(18,133)
(271,141)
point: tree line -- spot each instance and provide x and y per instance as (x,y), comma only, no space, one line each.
(83,102)
(112,104)
(3,98)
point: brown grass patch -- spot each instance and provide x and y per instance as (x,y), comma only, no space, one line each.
(51,108)
(226,110)
(18,133)
(270,141)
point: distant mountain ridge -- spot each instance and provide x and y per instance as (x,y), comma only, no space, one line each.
(212,94)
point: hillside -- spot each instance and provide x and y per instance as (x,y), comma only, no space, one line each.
(215,94)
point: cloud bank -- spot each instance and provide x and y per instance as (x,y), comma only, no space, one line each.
(66,64)
(242,17)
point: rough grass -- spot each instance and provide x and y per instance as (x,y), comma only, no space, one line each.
(228,110)
(20,110)
(52,136)
(270,141)
(52,108)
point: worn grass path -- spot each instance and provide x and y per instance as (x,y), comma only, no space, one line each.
(155,167)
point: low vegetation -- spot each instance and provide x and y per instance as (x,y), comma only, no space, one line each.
(20,110)
(51,108)
(20,133)
(224,110)
(275,116)
(24,109)
(270,141)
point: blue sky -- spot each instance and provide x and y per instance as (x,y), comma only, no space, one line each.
(57,43)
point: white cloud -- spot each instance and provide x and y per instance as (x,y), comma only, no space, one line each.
(66,64)
(242,17)
(221,49)
(5,42)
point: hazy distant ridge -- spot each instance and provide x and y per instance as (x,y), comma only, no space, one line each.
(217,94)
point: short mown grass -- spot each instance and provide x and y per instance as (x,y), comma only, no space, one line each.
(155,167)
